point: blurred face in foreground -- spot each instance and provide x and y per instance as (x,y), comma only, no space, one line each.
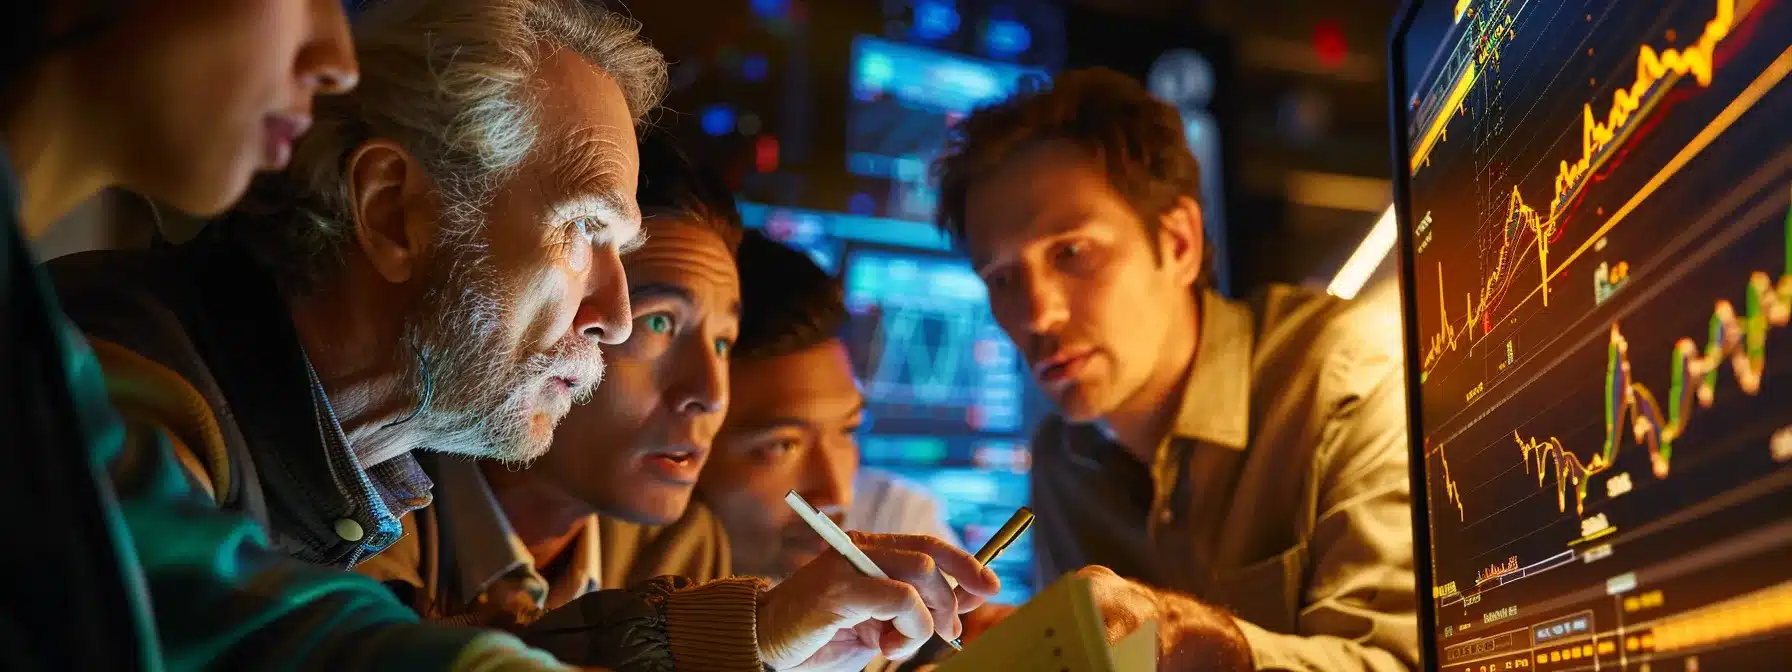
(183,100)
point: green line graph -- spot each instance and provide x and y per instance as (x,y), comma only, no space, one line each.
(1740,340)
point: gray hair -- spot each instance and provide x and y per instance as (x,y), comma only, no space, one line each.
(449,81)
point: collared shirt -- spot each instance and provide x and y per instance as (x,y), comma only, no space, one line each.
(462,559)
(472,523)
(387,491)
(489,574)
(205,314)
(1281,495)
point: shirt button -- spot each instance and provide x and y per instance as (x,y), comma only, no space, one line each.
(349,530)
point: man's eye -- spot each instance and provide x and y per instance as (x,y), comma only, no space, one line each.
(658,323)
(996,280)
(587,228)
(776,450)
(1076,257)
(723,345)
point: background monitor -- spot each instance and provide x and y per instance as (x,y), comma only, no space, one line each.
(1595,202)
(905,99)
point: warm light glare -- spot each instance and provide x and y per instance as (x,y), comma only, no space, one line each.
(1367,257)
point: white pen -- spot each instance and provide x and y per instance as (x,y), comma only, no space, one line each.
(837,538)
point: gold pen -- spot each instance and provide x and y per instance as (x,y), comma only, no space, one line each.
(1003,538)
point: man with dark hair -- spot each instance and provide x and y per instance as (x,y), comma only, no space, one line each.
(794,430)
(1240,466)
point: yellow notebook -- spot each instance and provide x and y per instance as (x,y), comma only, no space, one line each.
(1059,630)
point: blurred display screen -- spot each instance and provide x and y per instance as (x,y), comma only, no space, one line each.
(977,501)
(823,234)
(927,351)
(904,98)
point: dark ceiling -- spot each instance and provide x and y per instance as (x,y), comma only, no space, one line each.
(1307,147)
(1288,224)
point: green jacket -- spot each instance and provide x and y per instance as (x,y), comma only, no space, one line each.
(165,580)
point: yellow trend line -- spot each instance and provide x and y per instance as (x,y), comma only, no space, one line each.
(1570,472)
(1446,333)
(1739,340)
(1520,217)
(1769,78)
(1435,133)
(1651,68)
(1648,62)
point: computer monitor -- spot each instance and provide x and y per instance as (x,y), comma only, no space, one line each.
(946,395)
(932,359)
(1595,201)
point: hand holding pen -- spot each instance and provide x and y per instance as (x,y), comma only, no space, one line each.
(831,614)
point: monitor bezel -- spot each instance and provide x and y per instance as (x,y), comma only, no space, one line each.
(1421,505)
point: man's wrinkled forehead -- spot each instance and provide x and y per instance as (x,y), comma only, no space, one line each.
(586,149)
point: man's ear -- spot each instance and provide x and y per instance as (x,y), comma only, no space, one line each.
(1182,240)
(394,206)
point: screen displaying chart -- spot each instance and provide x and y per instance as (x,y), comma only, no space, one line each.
(931,358)
(1598,240)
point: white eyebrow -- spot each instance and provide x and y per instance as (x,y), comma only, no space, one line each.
(620,217)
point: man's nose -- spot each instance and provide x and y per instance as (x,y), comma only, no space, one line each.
(829,472)
(1041,305)
(326,63)
(604,313)
(703,387)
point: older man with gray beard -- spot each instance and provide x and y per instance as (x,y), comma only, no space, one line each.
(438,270)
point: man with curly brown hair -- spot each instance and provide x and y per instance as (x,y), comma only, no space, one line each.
(1235,470)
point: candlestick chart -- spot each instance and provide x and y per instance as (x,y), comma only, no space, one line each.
(1598,257)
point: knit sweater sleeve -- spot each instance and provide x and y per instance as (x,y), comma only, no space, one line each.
(667,624)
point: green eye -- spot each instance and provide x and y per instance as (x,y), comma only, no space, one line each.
(659,324)
(723,346)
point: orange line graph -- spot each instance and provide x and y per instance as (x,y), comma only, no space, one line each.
(1628,106)
(1450,491)
(1624,397)
(1740,340)
(1570,472)
(1520,219)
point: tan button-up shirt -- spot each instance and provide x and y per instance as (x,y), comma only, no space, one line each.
(464,562)
(1282,494)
